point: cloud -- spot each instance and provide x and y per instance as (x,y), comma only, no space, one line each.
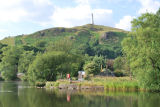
(79,15)
(149,6)
(42,2)
(22,10)
(146,6)
(13,15)
(84,1)
(125,23)
(3,30)
(10,10)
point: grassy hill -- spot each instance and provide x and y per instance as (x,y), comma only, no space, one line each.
(98,38)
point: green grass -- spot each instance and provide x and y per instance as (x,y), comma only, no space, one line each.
(109,83)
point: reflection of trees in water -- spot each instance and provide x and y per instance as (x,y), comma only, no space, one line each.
(32,97)
(8,94)
(41,98)
(149,100)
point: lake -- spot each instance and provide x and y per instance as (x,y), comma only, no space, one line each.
(18,94)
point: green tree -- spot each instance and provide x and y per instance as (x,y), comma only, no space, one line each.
(142,48)
(99,60)
(93,64)
(26,58)
(49,65)
(9,64)
(121,67)
(91,68)
(1,47)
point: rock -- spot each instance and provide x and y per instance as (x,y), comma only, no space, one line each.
(63,86)
(72,37)
(72,30)
(98,87)
(83,33)
(85,87)
(72,86)
(108,35)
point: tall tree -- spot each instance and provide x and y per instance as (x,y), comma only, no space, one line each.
(142,48)
(9,64)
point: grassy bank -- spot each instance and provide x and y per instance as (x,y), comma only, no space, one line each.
(109,83)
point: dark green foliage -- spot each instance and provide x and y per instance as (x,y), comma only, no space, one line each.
(40,44)
(31,48)
(1,46)
(119,73)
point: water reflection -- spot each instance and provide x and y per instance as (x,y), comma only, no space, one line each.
(20,95)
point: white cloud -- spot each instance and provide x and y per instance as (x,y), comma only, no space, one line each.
(84,1)
(12,15)
(149,6)
(10,10)
(125,23)
(79,15)
(21,10)
(9,3)
(3,30)
(42,2)
(146,6)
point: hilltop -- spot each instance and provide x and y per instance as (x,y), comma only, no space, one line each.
(97,39)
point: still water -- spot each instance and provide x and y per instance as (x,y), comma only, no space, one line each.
(18,94)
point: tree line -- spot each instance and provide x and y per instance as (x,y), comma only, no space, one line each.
(45,63)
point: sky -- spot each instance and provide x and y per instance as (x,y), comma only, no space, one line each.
(19,17)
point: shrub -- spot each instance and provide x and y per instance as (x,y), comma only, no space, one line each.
(119,73)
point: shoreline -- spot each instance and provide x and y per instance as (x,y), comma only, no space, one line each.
(97,83)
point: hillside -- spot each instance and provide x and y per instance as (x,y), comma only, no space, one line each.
(100,40)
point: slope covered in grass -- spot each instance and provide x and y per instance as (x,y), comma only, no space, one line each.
(96,39)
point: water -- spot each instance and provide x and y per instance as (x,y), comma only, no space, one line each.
(17,94)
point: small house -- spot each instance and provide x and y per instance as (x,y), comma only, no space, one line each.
(81,75)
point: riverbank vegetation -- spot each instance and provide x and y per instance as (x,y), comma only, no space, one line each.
(107,83)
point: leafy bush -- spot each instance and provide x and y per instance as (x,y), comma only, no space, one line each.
(119,73)
(92,68)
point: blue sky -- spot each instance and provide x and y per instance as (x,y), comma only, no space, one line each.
(27,16)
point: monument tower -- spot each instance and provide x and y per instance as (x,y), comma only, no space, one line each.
(92,19)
